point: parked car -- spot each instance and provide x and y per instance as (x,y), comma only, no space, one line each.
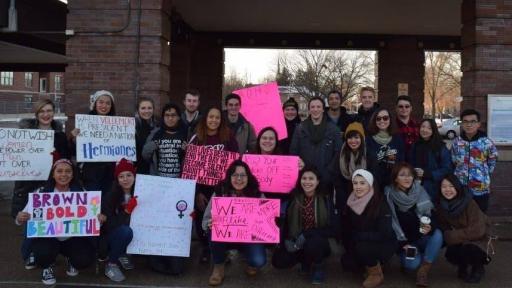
(449,128)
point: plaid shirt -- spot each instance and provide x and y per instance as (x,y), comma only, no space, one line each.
(409,133)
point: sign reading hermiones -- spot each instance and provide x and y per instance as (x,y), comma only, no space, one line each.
(277,174)
(161,222)
(205,165)
(64,214)
(263,99)
(245,220)
(25,154)
(105,138)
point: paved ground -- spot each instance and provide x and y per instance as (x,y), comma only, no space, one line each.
(13,274)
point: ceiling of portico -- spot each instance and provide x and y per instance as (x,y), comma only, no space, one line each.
(395,17)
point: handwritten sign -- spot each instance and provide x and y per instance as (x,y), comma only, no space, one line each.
(245,220)
(277,174)
(105,138)
(64,214)
(205,165)
(265,98)
(25,154)
(161,221)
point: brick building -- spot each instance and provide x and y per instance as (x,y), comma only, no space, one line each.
(19,90)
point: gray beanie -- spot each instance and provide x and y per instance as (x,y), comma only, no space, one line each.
(97,95)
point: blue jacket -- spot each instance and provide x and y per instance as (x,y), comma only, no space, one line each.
(384,157)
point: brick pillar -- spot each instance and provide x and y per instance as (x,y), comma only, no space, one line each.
(487,52)
(99,59)
(401,61)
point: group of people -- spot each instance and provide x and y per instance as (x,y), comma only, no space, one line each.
(378,183)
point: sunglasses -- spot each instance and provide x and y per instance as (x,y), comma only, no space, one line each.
(382,118)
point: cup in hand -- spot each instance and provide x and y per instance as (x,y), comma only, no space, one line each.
(424,220)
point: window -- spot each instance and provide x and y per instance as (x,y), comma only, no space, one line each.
(28,79)
(43,85)
(28,102)
(6,78)
(57,99)
(58,82)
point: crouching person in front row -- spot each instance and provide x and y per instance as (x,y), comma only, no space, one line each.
(239,182)
(80,252)
(307,228)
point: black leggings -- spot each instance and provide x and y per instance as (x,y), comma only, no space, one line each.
(465,254)
(316,249)
(79,250)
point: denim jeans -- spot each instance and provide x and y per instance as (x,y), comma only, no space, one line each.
(254,253)
(118,240)
(428,249)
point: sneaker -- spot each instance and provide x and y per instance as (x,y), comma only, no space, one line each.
(113,272)
(48,277)
(30,262)
(318,276)
(126,262)
(71,271)
(231,256)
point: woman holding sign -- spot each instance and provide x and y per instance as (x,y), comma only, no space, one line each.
(80,252)
(239,182)
(308,226)
(212,132)
(44,111)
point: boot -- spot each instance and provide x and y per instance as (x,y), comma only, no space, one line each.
(477,272)
(422,274)
(318,276)
(374,278)
(217,275)
(251,271)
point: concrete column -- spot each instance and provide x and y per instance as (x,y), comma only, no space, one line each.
(401,61)
(103,52)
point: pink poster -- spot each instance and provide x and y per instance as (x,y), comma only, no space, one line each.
(245,220)
(277,174)
(205,165)
(262,106)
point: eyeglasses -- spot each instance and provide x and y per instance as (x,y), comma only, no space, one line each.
(469,123)
(382,118)
(239,176)
(404,106)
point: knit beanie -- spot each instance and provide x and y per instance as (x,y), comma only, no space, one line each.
(365,174)
(122,166)
(291,103)
(97,95)
(355,126)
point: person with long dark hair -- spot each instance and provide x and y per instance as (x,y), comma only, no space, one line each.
(367,222)
(465,228)
(413,222)
(384,147)
(118,209)
(239,182)
(145,123)
(307,227)
(430,157)
(211,132)
(292,120)
(80,252)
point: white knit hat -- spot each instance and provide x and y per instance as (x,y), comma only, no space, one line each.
(365,174)
(97,95)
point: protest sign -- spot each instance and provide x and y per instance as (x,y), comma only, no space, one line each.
(25,154)
(261,105)
(245,220)
(105,138)
(277,174)
(64,214)
(161,222)
(205,165)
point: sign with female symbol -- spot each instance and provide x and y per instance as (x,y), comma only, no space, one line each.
(181,206)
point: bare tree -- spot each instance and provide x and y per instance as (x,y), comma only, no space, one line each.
(442,79)
(233,82)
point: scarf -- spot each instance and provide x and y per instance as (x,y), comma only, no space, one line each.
(405,201)
(455,207)
(352,166)
(317,132)
(294,217)
(382,137)
(291,124)
(359,204)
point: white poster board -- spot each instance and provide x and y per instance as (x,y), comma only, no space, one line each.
(499,118)
(25,154)
(105,138)
(161,222)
